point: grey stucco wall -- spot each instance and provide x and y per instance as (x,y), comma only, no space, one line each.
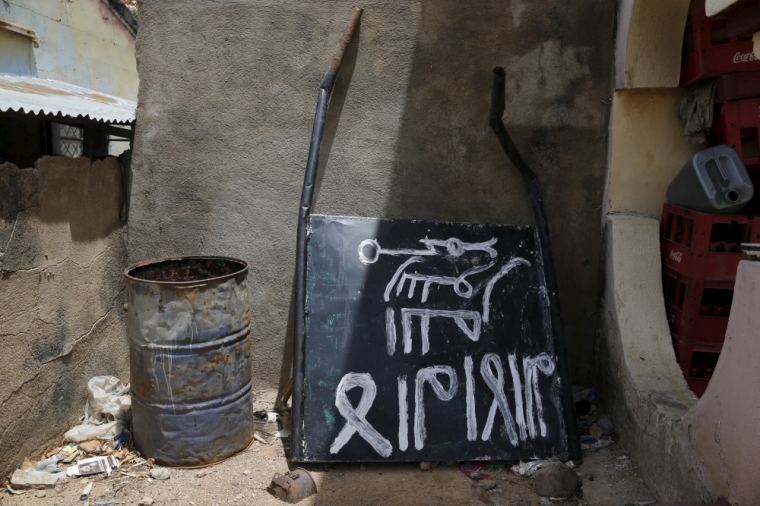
(62,250)
(226,103)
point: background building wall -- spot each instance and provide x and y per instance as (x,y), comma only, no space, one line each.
(81,42)
(61,292)
(225,112)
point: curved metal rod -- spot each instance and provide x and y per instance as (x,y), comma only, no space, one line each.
(307,194)
(560,347)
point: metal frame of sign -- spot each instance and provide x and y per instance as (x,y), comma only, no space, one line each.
(355,410)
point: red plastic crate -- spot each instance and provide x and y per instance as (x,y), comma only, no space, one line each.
(737,86)
(697,363)
(697,309)
(736,124)
(708,52)
(753,206)
(704,245)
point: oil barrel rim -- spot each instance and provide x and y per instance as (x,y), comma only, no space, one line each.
(192,283)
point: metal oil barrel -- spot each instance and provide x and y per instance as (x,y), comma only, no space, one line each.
(190,359)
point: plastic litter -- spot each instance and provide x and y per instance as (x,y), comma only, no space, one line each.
(68,453)
(481,470)
(271,425)
(712,181)
(44,474)
(527,469)
(86,492)
(606,425)
(598,445)
(107,412)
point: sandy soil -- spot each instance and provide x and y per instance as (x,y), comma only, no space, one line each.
(608,475)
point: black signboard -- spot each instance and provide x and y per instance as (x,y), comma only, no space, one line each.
(428,341)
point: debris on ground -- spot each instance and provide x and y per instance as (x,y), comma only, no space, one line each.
(292,486)
(481,470)
(93,465)
(43,475)
(427,466)
(591,447)
(86,492)
(606,425)
(527,469)
(160,473)
(271,425)
(107,411)
(68,453)
(595,430)
(556,480)
(146,501)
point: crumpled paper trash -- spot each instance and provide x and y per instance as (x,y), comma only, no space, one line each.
(108,410)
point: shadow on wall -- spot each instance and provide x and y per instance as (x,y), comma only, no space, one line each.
(448,165)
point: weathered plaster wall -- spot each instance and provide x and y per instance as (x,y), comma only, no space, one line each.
(713,7)
(722,436)
(648,43)
(226,103)
(640,379)
(647,149)
(81,42)
(61,294)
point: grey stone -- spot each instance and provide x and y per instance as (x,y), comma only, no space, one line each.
(40,494)
(427,466)
(556,480)
(201,474)
(160,473)
(486,484)
(146,501)
(235,483)
(35,479)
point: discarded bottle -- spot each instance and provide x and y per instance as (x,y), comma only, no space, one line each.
(712,181)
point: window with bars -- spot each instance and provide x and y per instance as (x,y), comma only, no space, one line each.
(68,140)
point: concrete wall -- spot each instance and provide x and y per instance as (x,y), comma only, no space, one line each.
(81,42)
(648,43)
(647,149)
(61,294)
(641,382)
(225,111)
(722,439)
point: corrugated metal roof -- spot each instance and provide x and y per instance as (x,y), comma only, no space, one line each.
(47,96)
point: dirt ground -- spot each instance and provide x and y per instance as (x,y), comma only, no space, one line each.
(609,479)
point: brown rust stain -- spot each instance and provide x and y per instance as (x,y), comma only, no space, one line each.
(41,89)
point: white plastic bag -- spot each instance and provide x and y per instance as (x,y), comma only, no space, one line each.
(108,406)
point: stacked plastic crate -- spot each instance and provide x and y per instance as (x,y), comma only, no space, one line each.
(700,255)
(711,51)
(701,251)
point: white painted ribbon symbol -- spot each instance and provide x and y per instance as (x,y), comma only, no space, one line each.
(355,418)
(496,384)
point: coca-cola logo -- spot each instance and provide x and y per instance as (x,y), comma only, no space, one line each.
(676,255)
(740,57)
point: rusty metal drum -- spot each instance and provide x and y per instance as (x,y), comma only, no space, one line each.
(190,359)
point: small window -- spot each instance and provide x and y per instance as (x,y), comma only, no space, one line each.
(67,140)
